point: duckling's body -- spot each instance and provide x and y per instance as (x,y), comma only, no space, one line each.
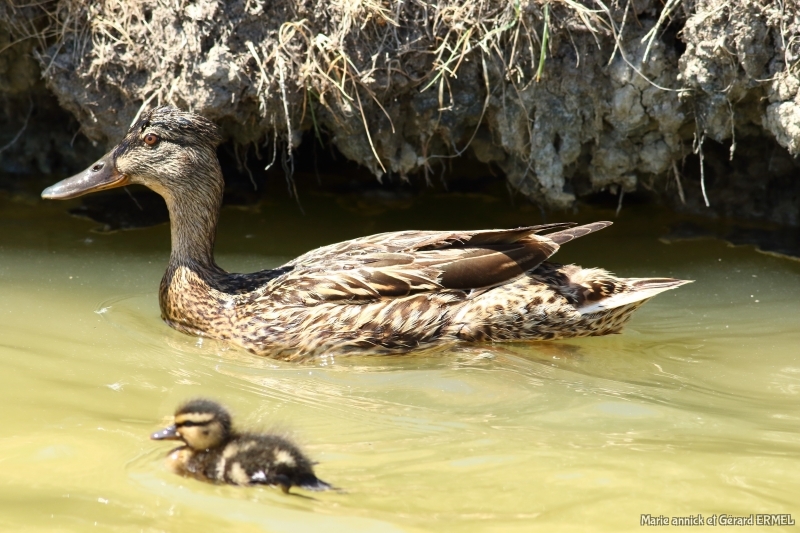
(386,293)
(214,452)
(248,459)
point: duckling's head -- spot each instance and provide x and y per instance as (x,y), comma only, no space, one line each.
(202,424)
(168,150)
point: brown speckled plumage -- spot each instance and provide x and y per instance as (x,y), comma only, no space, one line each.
(386,293)
(213,451)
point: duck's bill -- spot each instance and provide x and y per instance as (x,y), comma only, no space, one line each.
(168,433)
(103,174)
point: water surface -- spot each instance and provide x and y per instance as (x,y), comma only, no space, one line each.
(695,408)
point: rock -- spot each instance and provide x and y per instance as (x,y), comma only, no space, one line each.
(400,91)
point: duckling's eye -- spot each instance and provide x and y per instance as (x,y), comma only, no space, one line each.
(150,139)
(189,424)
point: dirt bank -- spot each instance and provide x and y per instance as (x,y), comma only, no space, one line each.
(565,98)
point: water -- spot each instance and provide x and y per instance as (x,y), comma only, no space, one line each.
(693,409)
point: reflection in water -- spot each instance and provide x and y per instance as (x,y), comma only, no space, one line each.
(693,409)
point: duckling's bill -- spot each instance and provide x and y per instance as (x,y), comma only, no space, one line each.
(101,175)
(168,433)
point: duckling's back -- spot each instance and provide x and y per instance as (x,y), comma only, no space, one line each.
(251,459)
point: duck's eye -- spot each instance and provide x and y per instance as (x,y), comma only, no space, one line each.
(192,423)
(150,139)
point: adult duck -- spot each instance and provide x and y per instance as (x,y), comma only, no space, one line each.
(387,293)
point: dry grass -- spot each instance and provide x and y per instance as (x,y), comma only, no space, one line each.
(30,21)
(339,54)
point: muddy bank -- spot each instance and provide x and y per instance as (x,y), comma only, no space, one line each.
(692,102)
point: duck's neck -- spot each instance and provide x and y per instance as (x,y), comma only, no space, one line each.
(194,213)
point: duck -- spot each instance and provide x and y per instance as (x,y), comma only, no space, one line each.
(213,451)
(390,293)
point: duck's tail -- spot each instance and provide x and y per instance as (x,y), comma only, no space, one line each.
(566,235)
(639,289)
(312,482)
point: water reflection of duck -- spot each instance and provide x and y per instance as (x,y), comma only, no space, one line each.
(386,293)
(213,451)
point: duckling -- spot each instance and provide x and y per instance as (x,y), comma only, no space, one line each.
(213,451)
(389,293)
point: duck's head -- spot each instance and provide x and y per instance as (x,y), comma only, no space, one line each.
(201,424)
(167,150)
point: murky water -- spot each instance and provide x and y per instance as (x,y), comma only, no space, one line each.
(694,409)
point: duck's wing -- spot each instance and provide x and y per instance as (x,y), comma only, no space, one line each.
(404,263)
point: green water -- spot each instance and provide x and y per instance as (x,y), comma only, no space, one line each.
(695,408)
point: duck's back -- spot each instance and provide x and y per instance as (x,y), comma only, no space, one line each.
(392,293)
(551,302)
